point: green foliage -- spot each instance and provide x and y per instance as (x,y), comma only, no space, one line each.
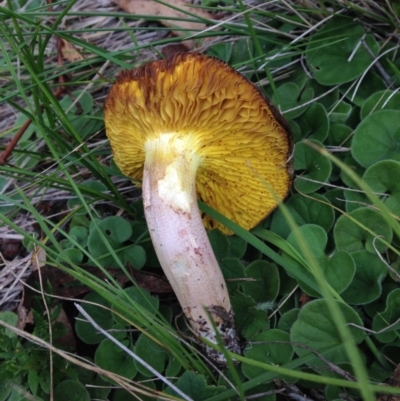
(331,243)
(315,330)
(365,229)
(24,365)
(387,322)
(333,54)
(71,390)
(368,148)
(272,346)
(312,168)
(195,387)
(338,269)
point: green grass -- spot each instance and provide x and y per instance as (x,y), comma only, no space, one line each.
(329,243)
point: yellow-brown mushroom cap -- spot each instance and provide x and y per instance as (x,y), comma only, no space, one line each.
(244,144)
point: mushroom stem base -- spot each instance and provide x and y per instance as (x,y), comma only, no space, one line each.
(180,239)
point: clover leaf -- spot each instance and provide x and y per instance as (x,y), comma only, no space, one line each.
(333,53)
(340,113)
(314,123)
(315,329)
(265,286)
(195,387)
(366,285)
(382,100)
(351,237)
(271,346)
(313,169)
(338,269)
(315,210)
(339,135)
(248,319)
(152,353)
(390,316)
(384,178)
(109,356)
(115,231)
(293,100)
(71,390)
(98,309)
(377,138)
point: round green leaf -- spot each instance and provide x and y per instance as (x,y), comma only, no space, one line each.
(333,54)
(101,315)
(336,198)
(387,318)
(139,230)
(233,272)
(237,247)
(249,320)
(71,390)
(266,284)
(350,237)
(339,135)
(338,269)
(314,123)
(384,178)
(292,98)
(219,243)
(195,387)
(111,357)
(379,305)
(355,200)
(358,94)
(272,347)
(141,298)
(296,131)
(70,256)
(312,168)
(115,230)
(327,99)
(152,353)
(382,100)
(315,329)
(315,210)
(287,319)
(340,113)
(80,235)
(357,169)
(135,255)
(367,282)
(5,389)
(377,138)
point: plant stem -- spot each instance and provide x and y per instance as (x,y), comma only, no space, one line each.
(180,239)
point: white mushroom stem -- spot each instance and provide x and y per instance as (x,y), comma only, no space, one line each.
(180,239)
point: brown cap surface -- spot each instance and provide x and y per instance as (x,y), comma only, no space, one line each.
(238,134)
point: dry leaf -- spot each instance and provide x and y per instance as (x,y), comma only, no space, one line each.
(150,7)
(68,339)
(394,381)
(69,52)
(38,259)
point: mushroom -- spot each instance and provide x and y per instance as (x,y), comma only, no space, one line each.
(192,128)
